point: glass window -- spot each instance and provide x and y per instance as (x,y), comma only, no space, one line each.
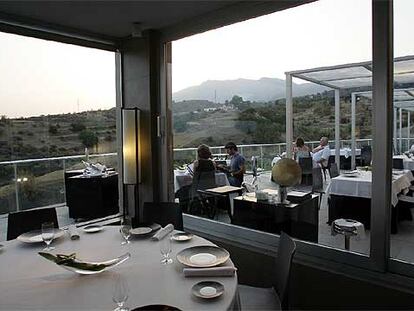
(58,110)
(229,86)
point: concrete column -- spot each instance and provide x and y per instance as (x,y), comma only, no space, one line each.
(353,142)
(289,116)
(337,129)
(140,76)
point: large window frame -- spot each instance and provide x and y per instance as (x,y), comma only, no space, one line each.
(379,259)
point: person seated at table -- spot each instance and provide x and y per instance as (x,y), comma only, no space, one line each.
(300,150)
(322,153)
(236,170)
(204,169)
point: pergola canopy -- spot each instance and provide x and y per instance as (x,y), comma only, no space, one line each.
(355,74)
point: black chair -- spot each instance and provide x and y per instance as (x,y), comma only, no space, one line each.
(163,213)
(28,220)
(326,168)
(333,170)
(398,164)
(366,156)
(306,165)
(275,298)
(317,186)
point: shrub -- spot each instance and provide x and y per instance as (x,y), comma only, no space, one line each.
(77,127)
(53,129)
(88,138)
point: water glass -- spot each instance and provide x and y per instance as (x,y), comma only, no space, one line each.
(165,248)
(48,234)
(120,292)
(125,230)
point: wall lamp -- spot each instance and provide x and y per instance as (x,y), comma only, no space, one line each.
(131,146)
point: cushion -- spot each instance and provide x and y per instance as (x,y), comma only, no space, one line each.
(256,298)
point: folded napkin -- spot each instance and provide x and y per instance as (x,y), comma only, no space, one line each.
(73,232)
(216,271)
(163,232)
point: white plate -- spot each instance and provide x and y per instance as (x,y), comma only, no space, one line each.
(35,236)
(208,289)
(203,259)
(182,237)
(92,228)
(140,230)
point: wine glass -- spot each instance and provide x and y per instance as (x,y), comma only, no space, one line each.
(165,248)
(120,292)
(126,229)
(48,234)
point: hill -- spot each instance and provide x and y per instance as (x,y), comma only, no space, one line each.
(262,90)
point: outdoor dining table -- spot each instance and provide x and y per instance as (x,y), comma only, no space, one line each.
(407,162)
(182,179)
(30,282)
(350,197)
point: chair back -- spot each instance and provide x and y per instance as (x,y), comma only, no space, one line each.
(163,213)
(286,250)
(366,155)
(398,164)
(317,184)
(25,221)
(204,177)
(333,170)
(306,165)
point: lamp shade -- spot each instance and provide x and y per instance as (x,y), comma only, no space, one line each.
(130,145)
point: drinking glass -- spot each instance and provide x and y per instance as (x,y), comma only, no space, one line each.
(126,229)
(48,233)
(165,248)
(120,292)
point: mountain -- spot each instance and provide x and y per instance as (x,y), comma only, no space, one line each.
(264,89)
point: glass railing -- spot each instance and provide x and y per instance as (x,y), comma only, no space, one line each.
(31,183)
(40,182)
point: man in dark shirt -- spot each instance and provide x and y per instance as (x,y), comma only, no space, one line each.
(236,169)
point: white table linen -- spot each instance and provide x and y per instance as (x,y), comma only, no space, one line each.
(185,179)
(29,282)
(407,162)
(361,186)
(346,152)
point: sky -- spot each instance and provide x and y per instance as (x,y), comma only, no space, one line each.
(45,77)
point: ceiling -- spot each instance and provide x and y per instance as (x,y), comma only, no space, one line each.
(112,19)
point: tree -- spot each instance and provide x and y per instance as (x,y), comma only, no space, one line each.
(88,138)
(77,126)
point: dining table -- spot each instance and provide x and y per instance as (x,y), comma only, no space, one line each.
(30,282)
(349,196)
(407,162)
(184,178)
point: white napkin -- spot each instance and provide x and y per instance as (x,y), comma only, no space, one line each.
(359,228)
(216,271)
(163,232)
(73,232)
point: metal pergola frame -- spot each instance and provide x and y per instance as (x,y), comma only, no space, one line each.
(349,76)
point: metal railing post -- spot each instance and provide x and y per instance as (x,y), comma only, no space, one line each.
(16,183)
(64,180)
(261,157)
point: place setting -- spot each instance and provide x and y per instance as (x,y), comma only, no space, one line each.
(47,234)
(206,261)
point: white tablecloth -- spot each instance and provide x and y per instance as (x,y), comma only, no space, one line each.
(185,179)
(30,282)
(346,152)
(408,162)
(361,186)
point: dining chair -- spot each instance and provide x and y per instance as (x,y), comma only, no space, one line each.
(163,213)
(398,164)
(326,168)
(317,184)
(306,165)
(333,170)
(366,155)
(28,220)
(276,297)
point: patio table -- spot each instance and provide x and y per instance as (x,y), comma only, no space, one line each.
(30,282)
(350,197)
